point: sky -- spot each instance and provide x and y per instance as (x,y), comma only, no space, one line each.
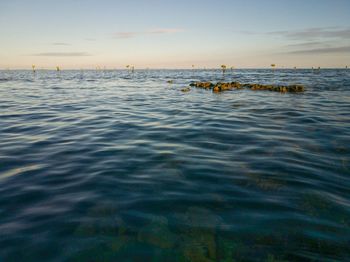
(83,34)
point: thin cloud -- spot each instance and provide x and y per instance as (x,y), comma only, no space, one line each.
(326,50)
(315,33)
(60,43)
(165,31)
(161,31)
(320,40)
(312,44)
(246,32)
(307,34)
(126,34)
(63,54)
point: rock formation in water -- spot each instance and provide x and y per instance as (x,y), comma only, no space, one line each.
(219,87)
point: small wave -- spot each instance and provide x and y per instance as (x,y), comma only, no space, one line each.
(19,170)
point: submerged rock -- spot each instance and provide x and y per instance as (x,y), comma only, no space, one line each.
(101,220)
(231,249)
(186,89)
(198,237)
(219,87)
(265,182)
(157,233)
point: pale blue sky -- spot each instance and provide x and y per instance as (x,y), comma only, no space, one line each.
(174,34)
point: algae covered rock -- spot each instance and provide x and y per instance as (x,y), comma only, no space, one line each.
(282,89)
(231,249)
(101,220)
(265,182)
(198,237)
(157,233)
(296,88)
(186,89)
(205,85)
(219,87)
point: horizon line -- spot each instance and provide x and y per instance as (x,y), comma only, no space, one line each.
(160,68)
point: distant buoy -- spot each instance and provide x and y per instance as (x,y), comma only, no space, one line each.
(33,68)
(58,68)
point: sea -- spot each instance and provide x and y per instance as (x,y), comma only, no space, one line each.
(113,165)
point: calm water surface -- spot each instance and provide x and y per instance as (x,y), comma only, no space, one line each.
(113,166)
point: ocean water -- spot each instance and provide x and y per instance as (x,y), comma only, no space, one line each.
(115,166)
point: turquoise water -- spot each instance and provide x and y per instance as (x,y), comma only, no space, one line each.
(113,166)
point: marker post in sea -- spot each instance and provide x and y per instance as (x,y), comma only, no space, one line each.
(33,68)
(223,68)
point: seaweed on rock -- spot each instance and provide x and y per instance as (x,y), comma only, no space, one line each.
(219,87)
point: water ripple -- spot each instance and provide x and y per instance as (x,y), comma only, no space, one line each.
(109,165)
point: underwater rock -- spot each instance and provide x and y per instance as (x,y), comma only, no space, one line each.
(119,242)
(316,205)
(157,233)
(199,236)
(231,250)
(196,253)
(101,220)
(170,81)
(265,182)
(219,87)
(186,89)
(93,227)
